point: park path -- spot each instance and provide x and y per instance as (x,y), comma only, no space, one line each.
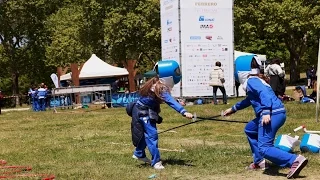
(15,109)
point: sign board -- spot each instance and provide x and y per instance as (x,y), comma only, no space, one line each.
(170,35)
(206,36)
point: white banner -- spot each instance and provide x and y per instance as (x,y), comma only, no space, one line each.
(54,79)
(170,41)
(206,37)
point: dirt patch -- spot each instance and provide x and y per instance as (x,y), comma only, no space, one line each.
(250,175)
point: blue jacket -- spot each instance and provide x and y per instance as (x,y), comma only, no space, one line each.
(33,94)
(261,97)
(167,98)
(42,93)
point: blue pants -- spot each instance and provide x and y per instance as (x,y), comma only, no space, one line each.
(42,104)
(35,104)
(150,140)
(261,140)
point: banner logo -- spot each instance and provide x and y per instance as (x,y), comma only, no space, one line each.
(206,26)
(203,19)
(206,4)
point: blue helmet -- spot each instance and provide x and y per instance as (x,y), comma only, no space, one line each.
(168,72)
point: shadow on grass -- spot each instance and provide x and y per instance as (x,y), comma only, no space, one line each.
(177,162)
(274,171)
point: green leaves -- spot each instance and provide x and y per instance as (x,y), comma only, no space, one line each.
(133,27)
(65,28)
(38,35)
(277,28)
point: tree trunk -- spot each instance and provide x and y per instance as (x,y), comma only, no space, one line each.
(59,73)
(75,70)
(294,67)
(75,79)
(15,86)
(129,65)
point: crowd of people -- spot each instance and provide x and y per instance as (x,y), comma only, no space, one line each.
(38,96)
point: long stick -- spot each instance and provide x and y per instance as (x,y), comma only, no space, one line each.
(179,126)
(214,118)
(222,120)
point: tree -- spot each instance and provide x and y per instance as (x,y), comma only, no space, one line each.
(131,28)
(22,39)
(275,25)
(13,22)
(65,45)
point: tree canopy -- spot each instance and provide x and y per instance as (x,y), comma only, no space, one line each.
(36,36)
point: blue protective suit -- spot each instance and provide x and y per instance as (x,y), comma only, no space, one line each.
(261,137)
(42,94)
(145,115)
(35,101)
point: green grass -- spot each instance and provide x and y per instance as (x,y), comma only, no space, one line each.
(79,144)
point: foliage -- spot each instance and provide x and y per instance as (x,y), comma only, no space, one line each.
(22,37)
(277,28)
(36,36)
(66,45)
(133,27)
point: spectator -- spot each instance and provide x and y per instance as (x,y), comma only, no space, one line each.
(216,80)
(115,86)
(34,98)
(313,95)
(237,84)
(311,76)
(42,94)
(276,76)
(126,90)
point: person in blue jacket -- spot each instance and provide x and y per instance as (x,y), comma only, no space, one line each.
(145,112)
(42,94)
(34,98)
(270,116)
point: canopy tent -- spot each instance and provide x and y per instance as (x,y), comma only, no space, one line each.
(96,68)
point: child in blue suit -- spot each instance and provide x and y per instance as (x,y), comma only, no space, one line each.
(145,112)
(270,116)
(34,98)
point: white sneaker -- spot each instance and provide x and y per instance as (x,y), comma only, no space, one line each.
(145,159)
(158,166)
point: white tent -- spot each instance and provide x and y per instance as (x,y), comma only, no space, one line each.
(96,68)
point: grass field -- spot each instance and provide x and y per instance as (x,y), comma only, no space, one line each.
(96,145)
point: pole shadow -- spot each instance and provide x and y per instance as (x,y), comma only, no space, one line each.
(179,162)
